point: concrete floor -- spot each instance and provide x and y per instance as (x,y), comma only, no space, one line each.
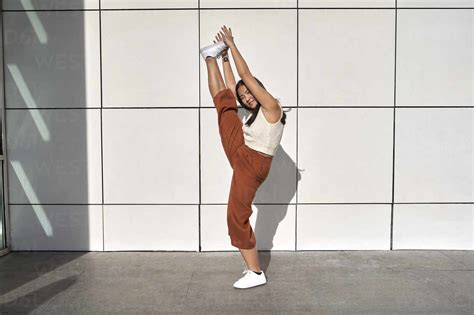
(303,282)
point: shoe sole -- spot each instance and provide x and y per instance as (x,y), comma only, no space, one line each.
(216,57)
(251,286)
(205,48)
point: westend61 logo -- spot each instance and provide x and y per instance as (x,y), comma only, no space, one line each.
(29,5)
(40,55)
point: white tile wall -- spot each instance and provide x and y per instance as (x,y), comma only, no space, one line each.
(56,227)
(148,4)
(342,67)
(435,3)
(151,155)
(149,58)
(248,3)
(345,155)
(151,227)
(113,143)
(435,64)
(433,226)
(343,227)
(346,3)
(434,151)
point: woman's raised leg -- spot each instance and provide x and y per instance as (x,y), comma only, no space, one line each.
(230,124)
(214,77)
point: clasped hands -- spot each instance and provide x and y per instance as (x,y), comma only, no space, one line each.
(225,35)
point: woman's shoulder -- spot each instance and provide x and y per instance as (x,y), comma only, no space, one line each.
(270,117)
(278,101)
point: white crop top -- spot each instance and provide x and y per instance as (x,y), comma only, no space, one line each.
(262,135)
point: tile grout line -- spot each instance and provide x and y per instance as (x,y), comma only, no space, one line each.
(297,111)
(101,128)
(246,8)
(199,125)
(393,126)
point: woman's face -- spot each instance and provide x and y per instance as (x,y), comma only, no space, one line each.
(246,97)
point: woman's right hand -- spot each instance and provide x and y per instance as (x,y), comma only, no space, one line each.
(226,35)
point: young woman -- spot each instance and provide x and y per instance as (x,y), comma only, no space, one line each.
(248,144)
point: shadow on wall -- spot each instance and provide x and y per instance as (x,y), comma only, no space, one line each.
(48,170)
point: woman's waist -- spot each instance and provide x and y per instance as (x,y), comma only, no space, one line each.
(258,153)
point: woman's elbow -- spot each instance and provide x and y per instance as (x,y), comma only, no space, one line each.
(245,75)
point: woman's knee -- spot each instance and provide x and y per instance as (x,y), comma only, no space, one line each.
(224,97)
(247,241)
(221,90)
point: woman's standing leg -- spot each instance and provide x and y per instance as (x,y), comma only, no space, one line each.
(242,193)
(230,129)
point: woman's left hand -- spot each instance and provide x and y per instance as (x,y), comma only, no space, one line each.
(219,38)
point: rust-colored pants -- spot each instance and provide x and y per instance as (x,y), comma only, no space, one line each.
(250,168)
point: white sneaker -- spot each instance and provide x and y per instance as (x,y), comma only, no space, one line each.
(250,279)
(213,50)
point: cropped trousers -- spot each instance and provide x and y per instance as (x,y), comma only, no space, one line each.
(250,168)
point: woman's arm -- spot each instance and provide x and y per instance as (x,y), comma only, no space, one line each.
(265,99)
(240,64)
(228,74)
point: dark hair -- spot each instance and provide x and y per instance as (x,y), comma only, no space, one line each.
(255,110)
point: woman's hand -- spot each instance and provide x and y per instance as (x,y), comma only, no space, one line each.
(226,35)
(219,38)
